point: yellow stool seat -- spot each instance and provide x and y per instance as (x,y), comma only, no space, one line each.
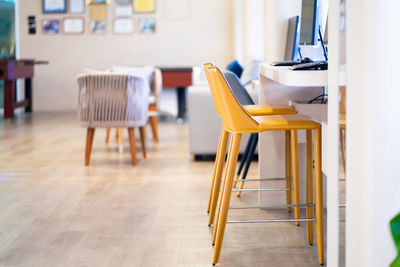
(285,122)
(265,109)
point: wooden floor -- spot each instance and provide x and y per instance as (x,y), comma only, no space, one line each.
(57,212)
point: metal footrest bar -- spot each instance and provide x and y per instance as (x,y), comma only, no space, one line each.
(342,220)
(342,180)
(273,220)
(283,206)
(263,189)
(342,206)
(263,179)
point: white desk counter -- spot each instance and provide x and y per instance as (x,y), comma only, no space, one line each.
(280,85)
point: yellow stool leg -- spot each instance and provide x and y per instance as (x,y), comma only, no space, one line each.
(215,169)
(310,189)
(107,135)
(214,237)
(319,205)
(295,173)
(230,173)
(218,169)
(288,170)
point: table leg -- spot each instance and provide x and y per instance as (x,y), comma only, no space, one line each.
(28,94)
(181,94)
(9,95)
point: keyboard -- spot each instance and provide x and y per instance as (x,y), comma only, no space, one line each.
(285,63)
(321,65)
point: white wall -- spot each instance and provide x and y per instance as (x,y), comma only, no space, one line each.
(373,143)
(277,14)
(249,29)
(207,36)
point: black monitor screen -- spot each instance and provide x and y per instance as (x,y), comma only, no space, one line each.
(292,39)
(309,16)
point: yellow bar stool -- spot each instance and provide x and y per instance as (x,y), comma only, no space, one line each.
(236,120)
(254,110)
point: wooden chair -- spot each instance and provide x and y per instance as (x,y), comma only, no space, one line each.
(113,101)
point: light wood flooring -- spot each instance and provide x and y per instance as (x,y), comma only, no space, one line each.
(54,211)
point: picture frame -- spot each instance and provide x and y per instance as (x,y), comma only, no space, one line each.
(54,6)
(97,2)
(144,6)
(147,25)
(98,13)
(123,26)
(123,11)
(73,25)
(50,26)
(98,27)
(124,2)
(76,6)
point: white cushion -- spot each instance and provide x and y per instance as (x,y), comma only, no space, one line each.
(152,99)
(92,71)
(251,70)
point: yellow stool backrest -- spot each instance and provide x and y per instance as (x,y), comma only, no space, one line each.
(206,70)
(235,118)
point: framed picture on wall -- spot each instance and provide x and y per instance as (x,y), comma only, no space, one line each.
(97,2)
(73,25)
(123,26)
(98,26)
(50,26)
(76,6)
(54,6)
(123,11)
(98,13)
(147,25)
(145,6)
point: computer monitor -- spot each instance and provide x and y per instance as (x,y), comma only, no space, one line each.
(309,22)
(293,39)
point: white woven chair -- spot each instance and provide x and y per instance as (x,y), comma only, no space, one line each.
(113,101)
(155,89)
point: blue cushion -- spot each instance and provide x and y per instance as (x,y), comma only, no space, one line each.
(235,67)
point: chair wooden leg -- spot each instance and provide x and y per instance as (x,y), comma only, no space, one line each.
(132,142)
(341,131)
(319,204)
(217,174)
(107,135)
(154,129)
(295,173)
(230,173)
(120,140)
(143,140)
(288,170)
(310,189)
(89,144)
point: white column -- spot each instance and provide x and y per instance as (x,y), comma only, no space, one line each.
(333,138)
(373,125)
